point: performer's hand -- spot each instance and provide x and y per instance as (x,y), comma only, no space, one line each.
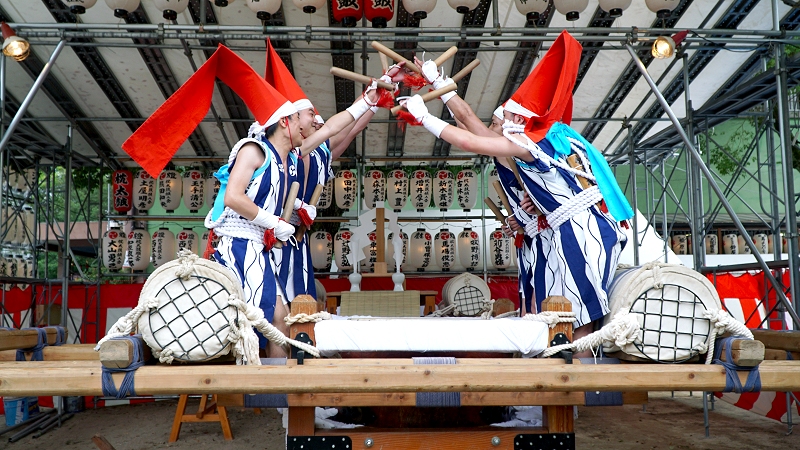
(283,230)
(513,224)
(429,71)
(397,72)
(527,204)
(371,93)
(305,213)
(416,106)
(506,231)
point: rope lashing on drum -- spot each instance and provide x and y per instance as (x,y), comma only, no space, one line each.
(623,329)
(126,324)
(307,318)
(446,311)
(721,321)
(486,309)
(732,381)
(551,318)
(126,388)
(36,350)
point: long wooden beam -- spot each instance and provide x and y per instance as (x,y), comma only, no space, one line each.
(66,352)
(15,339)
(54,378)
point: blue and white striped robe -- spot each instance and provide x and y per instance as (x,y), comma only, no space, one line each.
(298,270)
(246,257)
(577,260)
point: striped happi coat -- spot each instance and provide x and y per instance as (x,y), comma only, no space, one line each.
(576,260)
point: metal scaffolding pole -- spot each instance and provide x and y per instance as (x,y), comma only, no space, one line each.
(707,173)
(634,196)
(695,196)
(65,252)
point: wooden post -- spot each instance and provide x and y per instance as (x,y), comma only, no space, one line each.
(301,419)
(559,419)
(745,352)
(779,340)
(118,353)
(380,236)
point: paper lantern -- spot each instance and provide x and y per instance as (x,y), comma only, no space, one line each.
(29,221)
(27,180)
(171,8)
(13,266)
(78,6)
(5,270)
(466,189)
(187,239)
(730,244)
(571,8)
(139,249)
(346,189)
(500,250)
(469,249)
(169,190)
(463,6)
(397,190)
(444,245)
(743,248)
(420,189)
(614,8)
(144,191)
(122,185)
(194,187)
(371,252)
(492,193)
(122,7)
(341,249)
(163,247)
(9,225)
(712,244)
(321,245)
(264,9)
(348,12)
(326,198)
(532,9)
(682,244)
(374,189)
(211,190)
(662,8)
(379,12)
(309,6)
(419,8)
(419,250)
(443,189)
(762,243)
(390,251)
(24,269)
(114,246)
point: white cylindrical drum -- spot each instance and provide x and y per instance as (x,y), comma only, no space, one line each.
(163,247)
(420,189)
(397,190)
(469,249)
(144,191)
(500,250)
(139,249)
(419,250)
(444,246)
(169,190)
(321,246)
(194,186)
(443,189)
(467,292)
(374,189)
(712,244)
(730,244)
(341,249)
(466,189)
(114,246)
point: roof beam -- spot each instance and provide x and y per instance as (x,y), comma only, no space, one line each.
(600,19)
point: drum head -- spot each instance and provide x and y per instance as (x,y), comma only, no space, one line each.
(467,292)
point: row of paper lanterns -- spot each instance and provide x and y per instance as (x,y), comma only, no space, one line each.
(138,249)
(18,266)
(732,244)
(20,182)
(139,190)
(421,251)
(380,12)
(18,225)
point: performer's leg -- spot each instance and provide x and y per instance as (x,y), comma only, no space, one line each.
(281,311)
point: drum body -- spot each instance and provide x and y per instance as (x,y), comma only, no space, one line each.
(467,293)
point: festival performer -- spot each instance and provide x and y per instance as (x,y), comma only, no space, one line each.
(246,213)
(578,259)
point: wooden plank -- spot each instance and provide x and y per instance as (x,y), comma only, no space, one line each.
(301,421)
(23,378)
(18,339)
(448,439)
(303,304)
(745,352)
(66,352)
(635,398)
(118,353)
(772,354)
(559,419)
(779,340)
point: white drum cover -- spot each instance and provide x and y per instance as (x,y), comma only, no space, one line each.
(668,301)
(193,316)
(467,292)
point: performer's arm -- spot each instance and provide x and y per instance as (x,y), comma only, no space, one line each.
(341,141)
(248,160)
(340,121)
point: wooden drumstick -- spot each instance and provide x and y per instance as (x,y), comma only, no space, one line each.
(466,70)
(428,96)
(358,78)
(395,56)
(384,62)
(504,199)
(513,166)
(497,213)
(572,160)
(446,55)
(301,229)
(288,206)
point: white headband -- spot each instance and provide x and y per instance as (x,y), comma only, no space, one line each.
(515,108)
(498,112)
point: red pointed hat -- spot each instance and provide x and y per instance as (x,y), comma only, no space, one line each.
(156,141)
(278,75)
(547,92)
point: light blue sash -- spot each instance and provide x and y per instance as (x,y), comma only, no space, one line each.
(223,174)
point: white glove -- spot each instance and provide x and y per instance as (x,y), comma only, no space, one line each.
(284,230)
(416,107)
(430,71)
(444,82)
(310,211)
(281,228)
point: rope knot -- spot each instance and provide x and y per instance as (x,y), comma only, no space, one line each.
(186,259)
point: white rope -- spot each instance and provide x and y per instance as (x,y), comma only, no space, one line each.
(722,321)
(186,259)
(255,318)
(551,318)
(306,318)
(514,313)
(446,311)
(622,330)
(510,128)
(126,325)
(579,203)
(486,309)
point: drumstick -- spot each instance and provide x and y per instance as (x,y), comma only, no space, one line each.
(288,206)
(301,229)
(573,162)
(466,70)
(395,56)
(358,78)
(428,96)
(504,198)
(513,166)
(497,213)
(384,62)
(446,55)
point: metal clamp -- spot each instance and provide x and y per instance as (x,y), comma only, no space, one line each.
(561,339)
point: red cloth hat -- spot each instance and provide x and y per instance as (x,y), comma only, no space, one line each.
(278,75)
(156,141)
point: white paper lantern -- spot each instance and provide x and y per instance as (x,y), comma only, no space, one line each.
(264,9)
(25,269)
(321,246)
(500,250)
(682,244)
(419,8)
(115,244)
(346,189)
(14,266)
(169,190)
(420,189)
(662,8)
(371,252)
(571,8)
(187,239)
(193,189)
(29,221)
(78,6)
(712,244)
(144,191)
(443,189)
(171,8)
(463,6)
(5,269)
(163,247)
(15,226)
(762,243)
(341,249)
(469,249)
(419,250)
(326,198)
(730,244)
(374,189)
(743,248)
(466,189)
(444,245)
(397,190)
(122,7)
(492,193)
(309,6)
(531,9)
(139,249)
(211,190)
(390,251)
(614,8)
